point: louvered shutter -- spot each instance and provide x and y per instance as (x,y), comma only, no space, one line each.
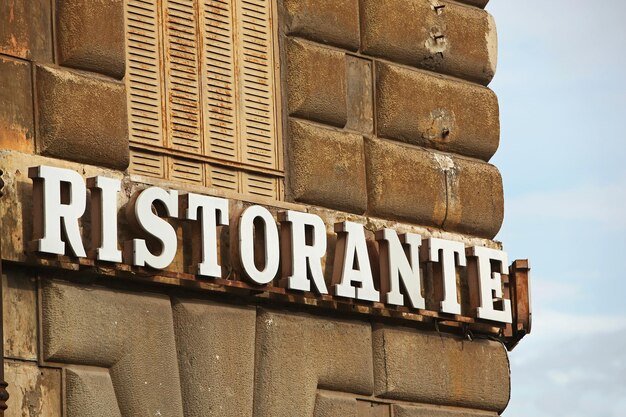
(183,91)
(147,164)
(256,77)
(260,185)
(218,80)
(144,72)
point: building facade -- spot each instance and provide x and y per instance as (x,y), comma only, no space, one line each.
(257,208)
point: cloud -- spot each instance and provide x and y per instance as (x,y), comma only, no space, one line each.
(599,204)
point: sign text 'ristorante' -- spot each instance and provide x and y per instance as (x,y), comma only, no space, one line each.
(296,248)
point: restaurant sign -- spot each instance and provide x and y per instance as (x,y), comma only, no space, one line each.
(291,247)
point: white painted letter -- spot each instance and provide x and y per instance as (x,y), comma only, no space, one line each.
(213,213)
(47,197)
(301,258)
(396,263)
(447,252)
(152,224)
(491,284)
(104,218)
(246,244)
(352,264)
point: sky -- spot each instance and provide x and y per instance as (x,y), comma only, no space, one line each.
(561,84)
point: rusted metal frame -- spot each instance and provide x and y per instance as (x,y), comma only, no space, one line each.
(516,288)
(519,292)
(4,394)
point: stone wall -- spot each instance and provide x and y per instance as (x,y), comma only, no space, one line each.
(387,121)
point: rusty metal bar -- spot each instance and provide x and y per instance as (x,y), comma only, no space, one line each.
(4,394)
(519,287)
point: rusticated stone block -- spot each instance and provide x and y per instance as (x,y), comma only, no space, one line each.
(82,117)
(327,405)
(400,410)
(327,167)
(216,357)
(436,112)
(26,29)
(334,22)
(33,390)
(19,306)
(475,198)
(90,35)
(477,3)
(89,392)
(316,82)
(131,334)
(405,182)
(316,352)
(17,124)
(435,35)
(438,369)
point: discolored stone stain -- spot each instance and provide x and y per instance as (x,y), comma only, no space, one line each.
(25,29)
(442,123)
(34,391)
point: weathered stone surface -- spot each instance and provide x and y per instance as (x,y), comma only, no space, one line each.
(90,35)
(405,182)
(475,198)
(297,353)
(400,410)
(316,82)
(436,112)
(17,123)
(334,22)
(477,3)
(82,117)
(435,35)
(130,334)
(26,29)
(33,391)
(360,95)
(215,345)
(327,405)
(90,392)
(19,306)
(327,167)
(438,369)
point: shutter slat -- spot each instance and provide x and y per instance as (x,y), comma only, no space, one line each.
(186,171)
(144,77)
(224,178)
(256,75)
(183,91)
(218,80)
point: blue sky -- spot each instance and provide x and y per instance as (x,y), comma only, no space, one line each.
(561,83)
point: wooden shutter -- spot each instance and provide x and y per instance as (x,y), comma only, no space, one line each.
(186,170)
(218,79)
(183,91)
(144,72)
(256,75)
(224,178)
(147,163)
(260,185)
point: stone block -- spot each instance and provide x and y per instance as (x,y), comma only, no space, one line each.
(316,82)
(90,392)
(215,357)
(436,112)
(477,3)
(475,198)
(17,123)
(405,182)
(298,353)
(26,29)
(90,35)
(326,167)
(432,368)
(33,390)
(131,334)
(401,410)
(19,306)
(436,35)
(82,117)
(335,22)
(327,405)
